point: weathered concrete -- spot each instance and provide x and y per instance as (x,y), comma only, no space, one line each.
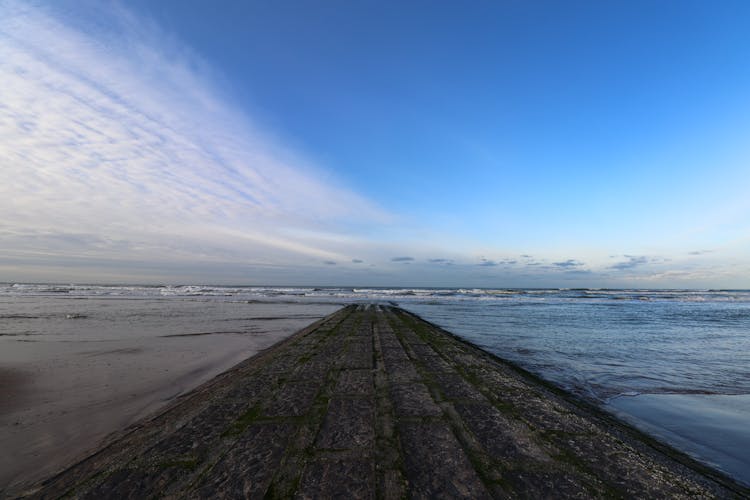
(373,402)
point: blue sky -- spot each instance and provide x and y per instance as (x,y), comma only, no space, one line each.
(369,143)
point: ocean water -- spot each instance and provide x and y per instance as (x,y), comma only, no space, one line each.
(596,343)
(604,344)
(637,353)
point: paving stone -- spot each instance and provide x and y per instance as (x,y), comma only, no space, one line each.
(423,350)
(552,483)
(413,400)
(412,338)
(341,479)
(246,471)
(354,382)
(330,353)
(455,387)
(389,340)
(504,439)
(194,437)
(392,485)
(312,370)
(282,365)
(394,355)
(136,484)
(436,465)
(543,413)
(294,399)
(365,331)
(435,364)
(252,387)
(619,465)
(357,356)
(348,424)
(491,377)
(358,347)
(402,372)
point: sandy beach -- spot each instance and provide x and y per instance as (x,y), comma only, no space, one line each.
(73,371)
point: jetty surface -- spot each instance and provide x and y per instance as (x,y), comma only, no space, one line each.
(373,402)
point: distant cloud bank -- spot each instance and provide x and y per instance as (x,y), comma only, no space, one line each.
(632,262)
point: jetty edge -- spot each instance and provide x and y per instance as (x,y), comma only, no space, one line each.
(374,402)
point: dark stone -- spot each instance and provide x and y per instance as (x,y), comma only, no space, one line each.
(435,364)
(246,471)
(504,439)
(293,399)
(412,338)
(354,382)
(402,372)
(194,437)
(129,483)
(551,483)
(413,400)
(618,465)
(349,423)
(455,387)
(394,355)
(544,414)
(340,479)
(422,350)
(390,341)
(312,370)
(436,465)
(282,364)
(252,388)
(357,357)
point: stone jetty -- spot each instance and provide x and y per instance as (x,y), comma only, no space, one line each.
(373,402)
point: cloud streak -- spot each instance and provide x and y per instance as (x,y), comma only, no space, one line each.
(123,144)
(568,264)
(632,262)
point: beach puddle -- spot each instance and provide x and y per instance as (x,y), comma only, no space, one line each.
(711,428)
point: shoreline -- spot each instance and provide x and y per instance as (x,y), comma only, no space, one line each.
(426,388)
(640,424)
(711,428)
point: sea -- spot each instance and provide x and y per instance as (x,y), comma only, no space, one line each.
(634,352)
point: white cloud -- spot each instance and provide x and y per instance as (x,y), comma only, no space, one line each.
(119,143)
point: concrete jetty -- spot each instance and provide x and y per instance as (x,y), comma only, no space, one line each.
(373,402)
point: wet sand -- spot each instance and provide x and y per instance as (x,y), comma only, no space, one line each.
(12,392)
(712,428)
(373,402)
(73,372)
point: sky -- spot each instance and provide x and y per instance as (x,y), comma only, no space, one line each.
(481,144)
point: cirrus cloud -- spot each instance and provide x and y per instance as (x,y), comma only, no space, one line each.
(121,144)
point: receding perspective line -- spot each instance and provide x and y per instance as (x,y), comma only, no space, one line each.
(374,402)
